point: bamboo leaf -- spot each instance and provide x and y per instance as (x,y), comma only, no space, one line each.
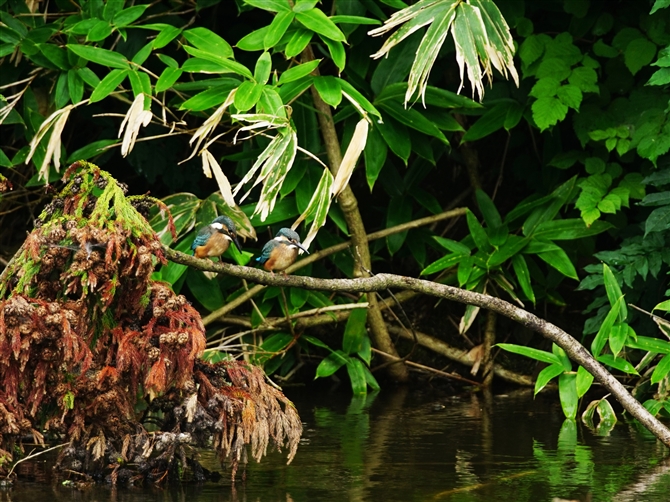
(103,57)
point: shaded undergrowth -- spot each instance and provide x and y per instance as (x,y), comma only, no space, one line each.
(96,353)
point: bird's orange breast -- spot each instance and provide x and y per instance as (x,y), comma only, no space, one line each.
(215,246)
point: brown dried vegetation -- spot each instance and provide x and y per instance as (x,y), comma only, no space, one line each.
(94,351)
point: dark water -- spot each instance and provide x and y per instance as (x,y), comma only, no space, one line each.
(405,445)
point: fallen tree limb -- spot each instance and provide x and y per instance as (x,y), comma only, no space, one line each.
(459,355)
(380,282)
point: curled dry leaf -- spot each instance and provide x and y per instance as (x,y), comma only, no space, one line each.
(136,117)
(351,156)
(209,165)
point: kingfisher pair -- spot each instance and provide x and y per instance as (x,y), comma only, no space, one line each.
(277,254)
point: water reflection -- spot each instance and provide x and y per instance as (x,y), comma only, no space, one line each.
(408,445)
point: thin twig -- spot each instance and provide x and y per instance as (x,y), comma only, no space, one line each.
(31,456)
(453,376)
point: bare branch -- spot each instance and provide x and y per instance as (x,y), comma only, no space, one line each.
(381,282)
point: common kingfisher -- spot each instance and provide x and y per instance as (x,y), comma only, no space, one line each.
(215,238)
(281,252)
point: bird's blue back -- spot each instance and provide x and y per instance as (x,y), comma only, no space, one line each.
(203,236)
(267,250)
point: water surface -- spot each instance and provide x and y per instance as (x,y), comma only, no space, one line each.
(409,445)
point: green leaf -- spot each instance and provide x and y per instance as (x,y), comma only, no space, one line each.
(617,363)
(488,209)
(453,246)
(329,89)
(512,247)
(477,231)
(222,65)
(168,34)
(207,99)
(396,137)
(412,118)
(254,41)
(277,29)
(567,391)
(569,229)
(101,56)
(660,4)
(584,381)
(143,54)
(492,121)
(649,344)
(546,375)
(113,79)
(618,337)
(523,276)
(638,54)
(315,341)
(111,8)
(167,79)
(55,54)
(127,16)
(100,31)
(662,369)
(356,372)
(263,68)
(354,20)
(355,330)
(206,291)
(559,260)
(570,95)
(208,41)
(603,333)
(75,86)
(584,78)
(298,42)
(331,364)
(614,293)
(658,220)
(444,262)
(90,150)
(539,355)
(247,96)
(276,342)
(374,154)
(269,5)
(318,22)
(337,52)
(88,76)
(548,112)
(300,71)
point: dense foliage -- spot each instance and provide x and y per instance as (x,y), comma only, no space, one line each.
(565,158)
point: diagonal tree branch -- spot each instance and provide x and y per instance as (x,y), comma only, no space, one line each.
(382,282)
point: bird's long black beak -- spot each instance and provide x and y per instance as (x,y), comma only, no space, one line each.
(300,246)
(237,243)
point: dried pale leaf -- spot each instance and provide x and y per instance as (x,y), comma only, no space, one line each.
(53,147)
(136,118)
(221,179)
(468,318)
(191,407)
(476,354)
(205,164)
(276,175)
(260,161)
(317,208)
(351,156)
(44,128)
(210,124)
